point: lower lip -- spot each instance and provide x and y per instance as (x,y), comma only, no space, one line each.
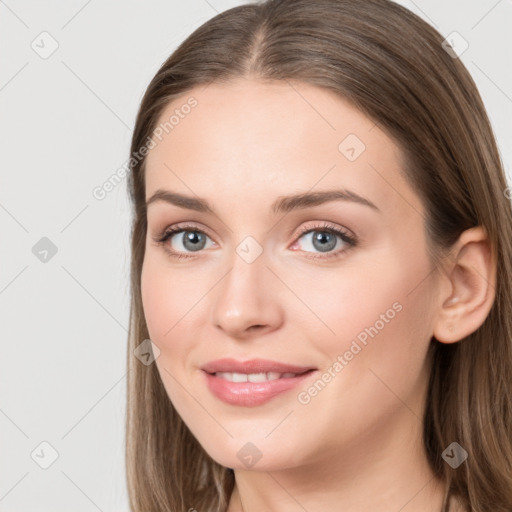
(251,394)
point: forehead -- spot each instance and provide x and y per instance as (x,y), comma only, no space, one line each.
(258,139)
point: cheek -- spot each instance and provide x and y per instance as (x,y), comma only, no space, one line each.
(168,297)
(163,308)
(382,321)
(174,309)
(156,300)
(375,363)
(364,304)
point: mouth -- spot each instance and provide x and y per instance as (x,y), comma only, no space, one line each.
(253,367)
(256,377)
(254,382)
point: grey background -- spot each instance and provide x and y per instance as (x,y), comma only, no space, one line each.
(65,127)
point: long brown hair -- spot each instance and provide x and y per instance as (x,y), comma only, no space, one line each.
(392,66)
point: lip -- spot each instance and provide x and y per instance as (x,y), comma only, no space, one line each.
(252,366)
(252,394)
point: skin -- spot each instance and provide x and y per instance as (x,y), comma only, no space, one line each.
(357,442)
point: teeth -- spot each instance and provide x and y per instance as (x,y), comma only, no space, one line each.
(239,377)
(253,377)
(256,377)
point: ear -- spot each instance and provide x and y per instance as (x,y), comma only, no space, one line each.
(469,287)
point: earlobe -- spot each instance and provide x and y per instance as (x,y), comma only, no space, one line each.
(471,279)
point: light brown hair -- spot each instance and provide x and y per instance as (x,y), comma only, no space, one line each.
(391,65)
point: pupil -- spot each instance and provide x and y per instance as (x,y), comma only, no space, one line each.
(193,238)
(322,237)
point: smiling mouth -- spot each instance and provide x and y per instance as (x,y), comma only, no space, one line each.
(253,389)
(256,377)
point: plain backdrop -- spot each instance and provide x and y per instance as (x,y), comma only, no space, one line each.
(72,75)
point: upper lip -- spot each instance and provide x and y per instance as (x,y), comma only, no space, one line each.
(253,366)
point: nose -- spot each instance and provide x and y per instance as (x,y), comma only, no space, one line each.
(247,299)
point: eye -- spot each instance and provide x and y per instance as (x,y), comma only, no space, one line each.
(185,238)
(325,238)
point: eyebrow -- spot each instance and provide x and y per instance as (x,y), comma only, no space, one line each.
(282,204)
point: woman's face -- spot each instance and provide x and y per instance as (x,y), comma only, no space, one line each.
(265,275)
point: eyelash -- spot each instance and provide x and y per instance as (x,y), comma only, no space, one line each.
(351,241)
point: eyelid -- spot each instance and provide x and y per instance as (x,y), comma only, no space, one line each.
(325,225)
(349,238)
(180,226)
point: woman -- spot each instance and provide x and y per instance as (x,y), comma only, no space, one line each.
(320,218)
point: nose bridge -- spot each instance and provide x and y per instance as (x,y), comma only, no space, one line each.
(244,298)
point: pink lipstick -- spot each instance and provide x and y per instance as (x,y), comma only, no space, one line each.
(254,382)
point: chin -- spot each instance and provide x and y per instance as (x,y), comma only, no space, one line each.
(260,455)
